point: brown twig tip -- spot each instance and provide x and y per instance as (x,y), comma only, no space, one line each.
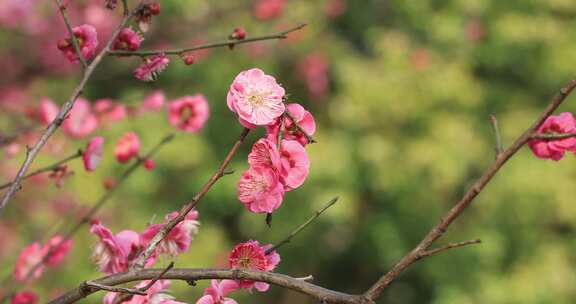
(441,249)
(499,146)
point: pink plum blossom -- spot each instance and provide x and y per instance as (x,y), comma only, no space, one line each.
(113,253)
(178,239)
(108,111)
(48,110)
(157,294)
(217,292)
(555,149)
(251,255)
(87,39)
(260,189)
(127,40)
(154,101)
(93,153)
(30,258)
(304,119)
(264,154)
(256,97)
(127,147)
(58,249)
(189,113)
(81,121)
(24,297)
(295,164)
(151,67)
(268,9)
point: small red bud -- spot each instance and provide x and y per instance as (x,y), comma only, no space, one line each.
(188,59)
(109,183)
(149,164)
(154,8)
(239,33)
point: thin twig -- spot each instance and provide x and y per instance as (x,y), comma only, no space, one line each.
(499,147)
(75,43)
(227,43)
(552,136)
(437,231)
(438,250)
(309,137)
(125,297)
(126,9)
(62,114)
(145,255)
(97,286)
(292,234)
(48,168)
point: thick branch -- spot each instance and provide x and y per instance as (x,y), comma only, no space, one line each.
(66,107)
(75,44)
(189,206)
(227,43)
(468,197)
(47,168)
(296,284)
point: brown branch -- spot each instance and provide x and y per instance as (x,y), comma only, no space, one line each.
(468,197)
(48,168)
(66,107)
(499,147)
(303,225)
(125,297)
(75,44)
(227,43)
(189,206)
(445,248)
(89,285)
(308,136)
(553,136)
(295,284)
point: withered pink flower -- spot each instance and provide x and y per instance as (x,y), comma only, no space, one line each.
(30,259)
(217,292)
(189,113)
(24,297)
(178,239)
(87,39)
(81,121)
(256,97)
(127,40)
(58,249)
(555,148)
(93,153)
(289,131)
(114,253)
(127,147)
(251,255)
(151,67)
(260,189)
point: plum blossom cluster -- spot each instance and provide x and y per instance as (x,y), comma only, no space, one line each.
(248,255)
(278,162)
(554,149)
(35,257)
(87,39)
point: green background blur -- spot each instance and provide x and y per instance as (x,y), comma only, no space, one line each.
(402,131)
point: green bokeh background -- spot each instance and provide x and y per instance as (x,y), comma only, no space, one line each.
(402,133)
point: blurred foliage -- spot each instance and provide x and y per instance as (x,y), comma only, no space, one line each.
(403,130)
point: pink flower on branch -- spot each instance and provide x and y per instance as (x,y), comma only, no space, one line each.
(264,154)
(127,40)
(127,147)
(113,253)
(93,153)
(217,292)
(251,255)
(260,189)
(81,121)
(151,67)
(555,148)
(24,297)
(289,130)
(87,39)
(189,113)
(256,97)
(157,294)
(57,249)
(30,256)
(178,239)
(295,164)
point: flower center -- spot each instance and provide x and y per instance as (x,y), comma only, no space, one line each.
(256,100)
(186,113)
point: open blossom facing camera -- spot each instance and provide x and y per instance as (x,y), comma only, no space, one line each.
(113,253)
(260,189)
(189,113)
(93,153)
(256,97)
(251,255)
(87,39)
(24,297)
(217,292)
(555,148)
(151,67)
(81,121)
(304,119)
(127,147)
(31,256)
(127,40)
(264,154)
(178,239)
